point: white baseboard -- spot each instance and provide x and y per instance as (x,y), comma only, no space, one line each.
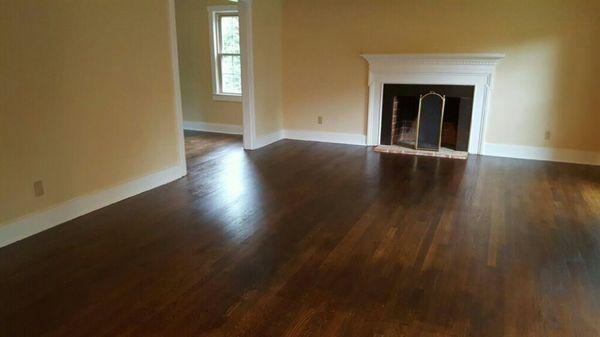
(327,137)
(268,139)
(36,222)
(213,127)
(541,153)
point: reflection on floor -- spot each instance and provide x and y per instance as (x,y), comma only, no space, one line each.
(200,144)
(314,239)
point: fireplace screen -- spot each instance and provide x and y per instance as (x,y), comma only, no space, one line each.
(429,121)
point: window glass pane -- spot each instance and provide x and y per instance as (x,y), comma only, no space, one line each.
(231,74)
(230,35)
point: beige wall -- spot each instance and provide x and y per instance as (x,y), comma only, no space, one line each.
(193,38)
(267,47)
(548,80)
(86,98)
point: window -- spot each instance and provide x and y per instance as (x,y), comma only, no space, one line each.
(225,46)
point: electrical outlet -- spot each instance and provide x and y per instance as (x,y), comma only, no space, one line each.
(38,188)
(320,120)
(547,135)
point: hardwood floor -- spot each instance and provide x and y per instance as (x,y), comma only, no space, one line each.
(315,239)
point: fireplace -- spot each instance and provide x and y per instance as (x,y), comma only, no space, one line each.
(456,72)
(427,116)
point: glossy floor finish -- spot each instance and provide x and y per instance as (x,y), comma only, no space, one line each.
(315,239)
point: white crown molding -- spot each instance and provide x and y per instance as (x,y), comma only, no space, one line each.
(231,129)
(327,137)
(39,221)
(542,153)
(442,69)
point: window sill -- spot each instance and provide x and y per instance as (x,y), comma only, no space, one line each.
(227,98)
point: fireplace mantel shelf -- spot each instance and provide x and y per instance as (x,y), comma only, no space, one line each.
(467,59)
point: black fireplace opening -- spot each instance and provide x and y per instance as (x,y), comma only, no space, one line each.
(400,115)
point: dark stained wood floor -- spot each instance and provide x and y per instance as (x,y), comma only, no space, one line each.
(315,239)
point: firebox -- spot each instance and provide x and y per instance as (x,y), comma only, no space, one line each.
(427,117)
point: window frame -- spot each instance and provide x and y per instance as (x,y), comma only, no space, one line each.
(214,16)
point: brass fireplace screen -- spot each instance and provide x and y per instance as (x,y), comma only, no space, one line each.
(427,135)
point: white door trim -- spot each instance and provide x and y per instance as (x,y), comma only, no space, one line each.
(248,104)
(450,69)
(177,87)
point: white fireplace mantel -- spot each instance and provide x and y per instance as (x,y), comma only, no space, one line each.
(446,69)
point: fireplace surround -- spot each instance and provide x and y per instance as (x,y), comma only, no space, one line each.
(476,70)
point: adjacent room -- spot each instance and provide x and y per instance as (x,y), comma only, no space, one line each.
(208,38)
(299,168)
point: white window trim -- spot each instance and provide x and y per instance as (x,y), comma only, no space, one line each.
(213,12)
(227,97)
